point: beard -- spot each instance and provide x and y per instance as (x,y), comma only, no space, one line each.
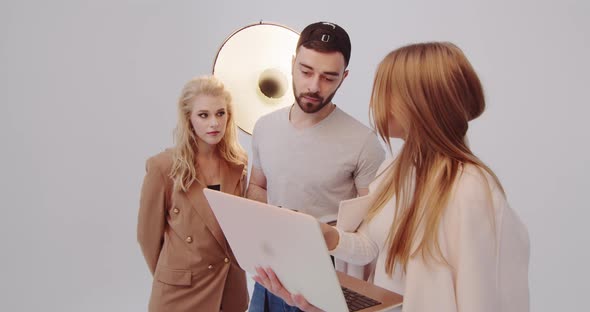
(309,107)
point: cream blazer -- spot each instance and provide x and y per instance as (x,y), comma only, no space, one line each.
(193,267)
(488,257)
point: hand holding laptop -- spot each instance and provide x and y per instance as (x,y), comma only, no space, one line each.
(267,278)
(293,245)
(331,235)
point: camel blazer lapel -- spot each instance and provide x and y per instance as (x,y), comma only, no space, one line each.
(230,178)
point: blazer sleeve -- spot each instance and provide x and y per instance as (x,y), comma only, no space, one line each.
(473,245)
(356,248)
(152,214)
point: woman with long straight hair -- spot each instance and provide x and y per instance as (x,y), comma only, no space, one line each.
(193,266)
(439,225)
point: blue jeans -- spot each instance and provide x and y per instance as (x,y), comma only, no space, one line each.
(265,301)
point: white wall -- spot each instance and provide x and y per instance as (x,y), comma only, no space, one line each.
(88,91)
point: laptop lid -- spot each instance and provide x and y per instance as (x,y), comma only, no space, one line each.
(289,242)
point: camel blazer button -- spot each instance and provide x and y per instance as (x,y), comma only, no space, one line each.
(176,210)
(210,267)
(189,239)
(226,260)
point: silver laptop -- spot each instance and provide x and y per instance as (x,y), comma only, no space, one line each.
(292,244)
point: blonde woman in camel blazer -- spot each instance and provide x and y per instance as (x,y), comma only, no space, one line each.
(185,250)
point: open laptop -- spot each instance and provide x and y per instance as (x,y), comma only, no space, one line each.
(292,244)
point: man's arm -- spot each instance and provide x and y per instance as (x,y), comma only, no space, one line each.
(370,159)
(257,186)
(363,191)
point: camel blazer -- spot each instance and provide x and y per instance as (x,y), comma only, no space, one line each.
(193,267)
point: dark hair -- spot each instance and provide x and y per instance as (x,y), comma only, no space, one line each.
(326,37)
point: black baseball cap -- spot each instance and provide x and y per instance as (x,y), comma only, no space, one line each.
(326,37)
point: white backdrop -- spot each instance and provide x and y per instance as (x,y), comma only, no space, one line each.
(89,88)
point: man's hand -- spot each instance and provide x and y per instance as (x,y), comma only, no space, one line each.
(267,278)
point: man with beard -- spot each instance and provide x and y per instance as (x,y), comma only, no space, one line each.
(312,155)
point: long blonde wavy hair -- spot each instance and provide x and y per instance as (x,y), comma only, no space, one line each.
(432,92)
(184,168)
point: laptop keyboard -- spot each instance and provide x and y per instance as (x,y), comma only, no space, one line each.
(356,301)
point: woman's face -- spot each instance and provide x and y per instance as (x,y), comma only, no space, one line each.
(209,118)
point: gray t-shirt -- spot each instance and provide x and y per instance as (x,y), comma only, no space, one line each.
(313,169)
